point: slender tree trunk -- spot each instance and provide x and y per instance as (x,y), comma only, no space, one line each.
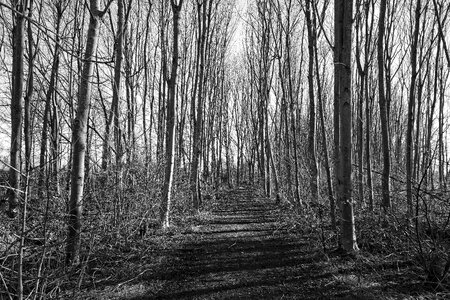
(55,142)
(275,176)
(385,179)
(337,96)
(359,118)
(114,117)
(30,86)
(16,107)
(437,11)
(411,109)
(79,133)
(312,106)
(442,179)
(170,122)
(292,108)
(203,14)
(367,148)
(416,158)
(295,150)
(325,143)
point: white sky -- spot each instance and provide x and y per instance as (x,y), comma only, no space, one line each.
(237,42)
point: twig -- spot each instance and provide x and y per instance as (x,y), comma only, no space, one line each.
(6,286)
(129,280)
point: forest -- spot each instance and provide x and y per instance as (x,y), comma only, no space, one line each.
(224,149)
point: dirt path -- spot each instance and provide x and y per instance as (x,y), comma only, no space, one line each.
(241,252)
(248,248)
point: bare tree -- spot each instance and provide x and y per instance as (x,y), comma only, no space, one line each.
(312,36)
(411,109)
(170,121)
(16,106)
(30,87)
(79,133)
(48,119)
(204,21)
(343,42)
(385,179)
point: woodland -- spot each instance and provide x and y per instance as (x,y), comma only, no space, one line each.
(225,149)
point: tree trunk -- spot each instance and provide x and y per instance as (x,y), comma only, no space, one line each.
(79,133)
(385,179)
(170,122)
(30,86)
(114,112)
(411,109)
(312,106)
(367,148)
(343,33)
(16,108)
(203,16)
(325,143)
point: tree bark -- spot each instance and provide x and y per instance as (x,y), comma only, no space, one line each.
(385,179)
(16,107)
(30,86)
(47,121)
(343,33)
(310,24)
(79,133)
(411,109)
(320,101)
(170,122)
(204,19)
(113,117)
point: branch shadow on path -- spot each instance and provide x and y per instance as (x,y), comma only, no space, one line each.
(241,252)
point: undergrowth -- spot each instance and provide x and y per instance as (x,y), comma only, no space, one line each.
(121,230)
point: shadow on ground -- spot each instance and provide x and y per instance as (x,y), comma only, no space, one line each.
(244,250)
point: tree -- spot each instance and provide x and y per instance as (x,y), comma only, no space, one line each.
(204,20)
(170,121)
(320,100)
(114,116)
(310,24)
(364,28)
(16,106)
(30,87)
(411,109)
(440,29)
(342,57)
(385,179)
(79,133)
(48,119)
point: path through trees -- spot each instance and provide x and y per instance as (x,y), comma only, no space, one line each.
(123,121)
(246,248)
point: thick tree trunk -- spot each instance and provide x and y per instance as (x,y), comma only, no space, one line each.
(343,33)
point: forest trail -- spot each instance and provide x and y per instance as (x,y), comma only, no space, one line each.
(243,251)
(244,246)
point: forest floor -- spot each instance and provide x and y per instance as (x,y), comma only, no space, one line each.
(246,247)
